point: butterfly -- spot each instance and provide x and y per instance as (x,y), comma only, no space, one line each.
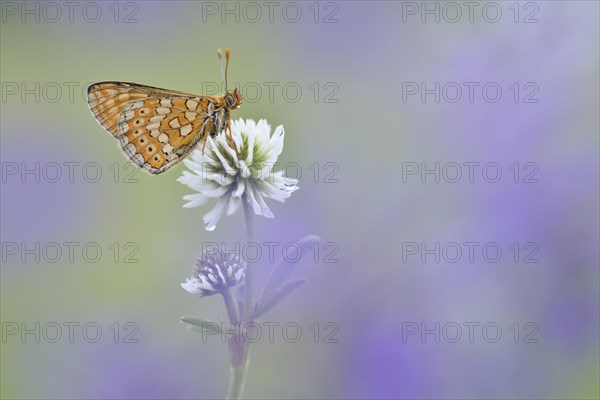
(157,128)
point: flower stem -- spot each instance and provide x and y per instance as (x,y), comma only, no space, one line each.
(230,305)
(236,385)
(236,350)
(240,351)
(249,282)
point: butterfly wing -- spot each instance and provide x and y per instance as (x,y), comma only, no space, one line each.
(155,127)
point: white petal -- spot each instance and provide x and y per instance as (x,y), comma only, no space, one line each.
(245,171)
(196,166)
(223,280)
(191,286)
(221,179)
(223,139)
(252,200)
(265,210)
(234,204)
(238,189)
(195,200)
(248,126)
(250,155)
(263,131)
(188,178)
(212,278)
(237,133)
(212,217)
(276,142)
(210,190)
(284,182)
(265,173)
(238,275)
(272,191)
(197,157)
(239,125)
(228,168)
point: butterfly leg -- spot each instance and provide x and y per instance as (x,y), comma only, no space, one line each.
(204,142)
(205,129)
(231,137)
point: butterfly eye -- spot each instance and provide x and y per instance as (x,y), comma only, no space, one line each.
(230,100)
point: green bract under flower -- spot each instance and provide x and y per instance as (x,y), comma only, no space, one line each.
(221,173)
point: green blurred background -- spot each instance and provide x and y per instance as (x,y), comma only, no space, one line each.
(353,61)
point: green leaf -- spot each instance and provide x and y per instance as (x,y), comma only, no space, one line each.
(274,297)
(284,268)
(202,325)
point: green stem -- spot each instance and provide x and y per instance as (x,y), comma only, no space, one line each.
(240,351)
(236,385)
(249,282)
(236,350)
(232,310)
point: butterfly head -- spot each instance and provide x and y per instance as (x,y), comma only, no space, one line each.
(234,99)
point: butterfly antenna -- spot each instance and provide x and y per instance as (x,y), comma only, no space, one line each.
(226,66)
(224,71)
(223,68)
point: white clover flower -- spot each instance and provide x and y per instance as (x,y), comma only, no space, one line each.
(221,173)
(214,273)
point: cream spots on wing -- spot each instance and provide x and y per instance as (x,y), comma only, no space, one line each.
(123,127)
(157,118)
(185,130)
(190,116)
(191,104)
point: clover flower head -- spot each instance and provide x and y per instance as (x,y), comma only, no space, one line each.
(214,273)
(228,175)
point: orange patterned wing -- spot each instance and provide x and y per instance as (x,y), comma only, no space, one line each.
(155,127)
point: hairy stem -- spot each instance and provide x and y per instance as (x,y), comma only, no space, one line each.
(236,384)
(249,282)
(240,352)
